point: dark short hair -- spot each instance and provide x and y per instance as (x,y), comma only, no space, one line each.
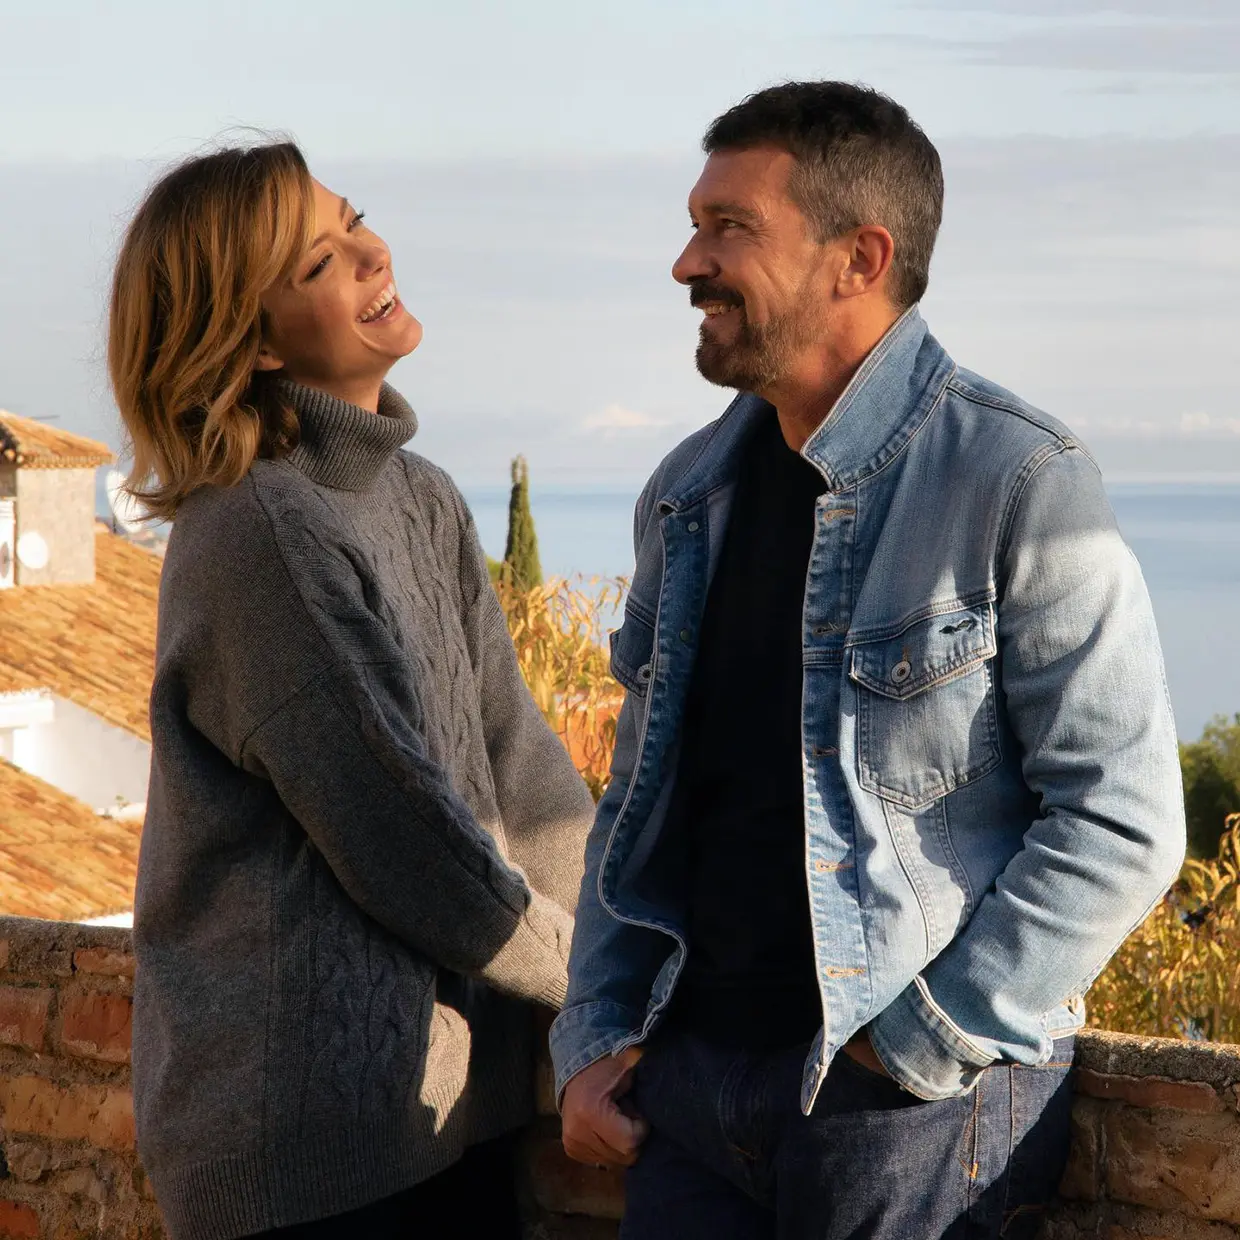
(860,159)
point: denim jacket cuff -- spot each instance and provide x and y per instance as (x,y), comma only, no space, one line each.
(922,1049)
(585,1033)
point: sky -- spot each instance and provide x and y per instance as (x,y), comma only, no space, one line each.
(528,164)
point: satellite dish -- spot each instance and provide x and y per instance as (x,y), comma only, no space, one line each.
(32,552)
(130,516)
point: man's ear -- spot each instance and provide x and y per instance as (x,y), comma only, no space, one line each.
(871,250)
(268,359)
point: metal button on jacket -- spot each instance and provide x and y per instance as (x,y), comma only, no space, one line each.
(901,672)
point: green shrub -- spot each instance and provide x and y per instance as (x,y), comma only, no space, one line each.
(1211,768)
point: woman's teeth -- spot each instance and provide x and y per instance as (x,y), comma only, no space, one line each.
(382,305)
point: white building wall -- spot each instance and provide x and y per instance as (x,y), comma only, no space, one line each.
(59,505)
(82,755)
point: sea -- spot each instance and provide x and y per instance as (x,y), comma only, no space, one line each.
(1185,535)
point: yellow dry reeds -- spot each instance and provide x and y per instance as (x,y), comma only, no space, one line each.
(1178,974)
(557,629)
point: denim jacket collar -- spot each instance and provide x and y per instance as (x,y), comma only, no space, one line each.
(884,405)
(880,410)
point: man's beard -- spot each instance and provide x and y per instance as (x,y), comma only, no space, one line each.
(760,355)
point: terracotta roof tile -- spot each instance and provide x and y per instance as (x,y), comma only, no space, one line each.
(37,445)
(93,644)
(58,858)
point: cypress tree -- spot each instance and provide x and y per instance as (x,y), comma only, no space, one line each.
(521,566)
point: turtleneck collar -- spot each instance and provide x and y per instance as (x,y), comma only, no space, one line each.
(345,446)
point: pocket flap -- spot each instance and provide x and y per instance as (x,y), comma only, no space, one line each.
(632,649)
(927,652)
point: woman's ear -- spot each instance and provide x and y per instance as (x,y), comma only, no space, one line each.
(268,359)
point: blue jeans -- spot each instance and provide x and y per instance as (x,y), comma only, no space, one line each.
(730,1156)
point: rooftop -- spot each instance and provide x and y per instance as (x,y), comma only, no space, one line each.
(36,445)
(93,644)
(58,858)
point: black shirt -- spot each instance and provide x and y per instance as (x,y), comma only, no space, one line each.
(737,817)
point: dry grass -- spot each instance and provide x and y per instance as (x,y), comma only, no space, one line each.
(557,629)
(1177,976)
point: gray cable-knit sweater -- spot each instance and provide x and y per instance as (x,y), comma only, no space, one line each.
(360,845)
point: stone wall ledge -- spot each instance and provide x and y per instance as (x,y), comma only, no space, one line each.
(1156,1123)
(1216,1064)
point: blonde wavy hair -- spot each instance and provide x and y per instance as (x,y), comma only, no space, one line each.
(186,322)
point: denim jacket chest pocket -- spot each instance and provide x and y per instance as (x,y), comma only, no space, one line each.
(926,712)
(632,648)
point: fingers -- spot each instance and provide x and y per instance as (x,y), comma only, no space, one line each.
(621,1133)
(603,1135)
(596,1154)
(590,1151)
(596,1130)
(605,1143)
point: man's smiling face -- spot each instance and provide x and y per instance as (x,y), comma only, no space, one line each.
(755,269)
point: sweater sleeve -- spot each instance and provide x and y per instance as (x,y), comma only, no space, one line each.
(341,742)
(544,804)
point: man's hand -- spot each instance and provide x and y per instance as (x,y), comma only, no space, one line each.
(861,1049)
(596,1129)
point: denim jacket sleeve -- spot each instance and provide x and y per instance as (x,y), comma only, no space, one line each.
(612,964)
(1082,677)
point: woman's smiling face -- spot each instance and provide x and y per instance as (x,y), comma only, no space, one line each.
(336,322)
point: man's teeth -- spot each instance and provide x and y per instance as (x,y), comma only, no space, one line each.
(381,304)
(711,308)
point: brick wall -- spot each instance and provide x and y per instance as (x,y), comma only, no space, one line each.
(68,1170)
(1156,1151)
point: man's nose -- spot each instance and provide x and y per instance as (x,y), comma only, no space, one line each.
(695,262)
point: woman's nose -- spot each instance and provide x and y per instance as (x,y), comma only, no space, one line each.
(372,257)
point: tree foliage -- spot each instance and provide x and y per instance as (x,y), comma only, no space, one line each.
(522,569)
(1211,768)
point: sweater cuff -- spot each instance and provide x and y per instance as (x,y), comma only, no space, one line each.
(533,964)
(922,1049)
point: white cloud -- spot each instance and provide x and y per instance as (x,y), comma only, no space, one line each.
(618,420)
(1186,426)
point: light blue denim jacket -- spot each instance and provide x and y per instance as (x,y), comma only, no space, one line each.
(992,786)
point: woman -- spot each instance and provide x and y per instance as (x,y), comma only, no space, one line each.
(361,837)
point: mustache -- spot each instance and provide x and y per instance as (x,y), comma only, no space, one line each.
(702,291)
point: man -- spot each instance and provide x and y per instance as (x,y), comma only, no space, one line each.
(896,770)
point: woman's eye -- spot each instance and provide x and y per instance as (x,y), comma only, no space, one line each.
(318,267)
(356,220)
